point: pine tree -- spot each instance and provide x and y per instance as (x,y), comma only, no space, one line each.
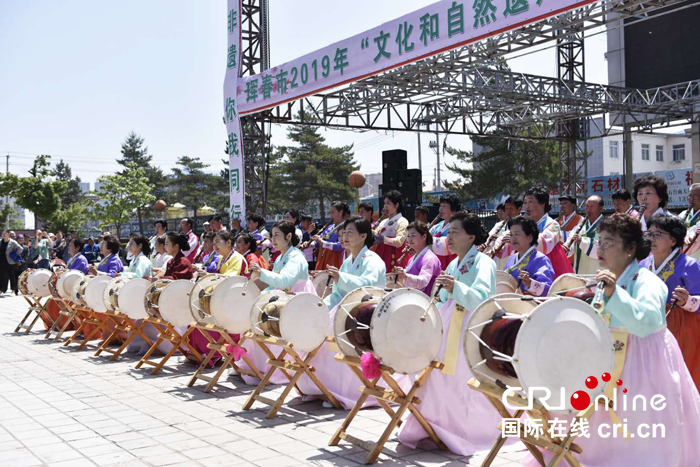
(73,193)
(194,187)
(310,173)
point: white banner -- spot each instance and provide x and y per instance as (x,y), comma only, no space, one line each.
(236,164)
(442,26)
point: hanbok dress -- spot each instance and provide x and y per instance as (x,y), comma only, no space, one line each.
(331,251)
(395,232)
(537,266)
(422,270)
(586,252)
(691,217)
(439,246)
(549,243)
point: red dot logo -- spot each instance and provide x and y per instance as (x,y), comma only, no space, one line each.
(580,400)
(591,382)
(625,390)
(606,377)
(619,382)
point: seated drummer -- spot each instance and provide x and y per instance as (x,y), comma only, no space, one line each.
(462,418)
(111,265)
(424,266)
(231,262)
(247,245)
(140,249)
(210,258)
(179,267)
(77,260)
(530,267)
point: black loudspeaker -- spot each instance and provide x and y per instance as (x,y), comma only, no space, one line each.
(411,186)
(392,162)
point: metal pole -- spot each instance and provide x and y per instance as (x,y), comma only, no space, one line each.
(7,198)
(420,159)
(437,150)
(627,155)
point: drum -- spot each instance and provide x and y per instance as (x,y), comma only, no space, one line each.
(23,281)
(505,283)
(392,282)
(79,290)
(200,298)
(301,319)
(132,298)
(231,302)
(319,280)
(53,282)
(574,285)
(388,324)
(66,282)
(174,302)
(38,282)
(110,296)
(94,293)
(533,343)
(152,299)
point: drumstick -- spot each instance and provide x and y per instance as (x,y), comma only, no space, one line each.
(598,297)
(325,289)
(432,302)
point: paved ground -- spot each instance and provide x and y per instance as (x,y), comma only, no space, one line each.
(61,407)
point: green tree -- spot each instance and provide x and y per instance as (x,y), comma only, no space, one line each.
(504,165)
(134,152)
(10,218)
(311,173)
(39,192)
(120,195)
(74,217)
(196,188)
(72,193)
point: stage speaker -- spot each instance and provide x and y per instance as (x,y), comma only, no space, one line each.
(393,161)
(411,186)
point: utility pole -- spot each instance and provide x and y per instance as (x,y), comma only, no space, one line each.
(7,198)
(420,160)
(435,146)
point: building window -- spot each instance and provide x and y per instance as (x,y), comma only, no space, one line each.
(659,153)
(613,150)
(678,152)
(645,152)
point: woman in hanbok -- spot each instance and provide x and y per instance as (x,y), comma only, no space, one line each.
(462,418)
(111,265)
(161,258)
(330,250)
(653,367)
(290,273)
(362,268)
(210,258)
(536,205)
(77,261)
(424,266)
(531,268)
(681,273)
(391,233)
(246,245)
(449,205)
(140,266)
(651,192)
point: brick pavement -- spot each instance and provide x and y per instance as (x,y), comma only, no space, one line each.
(63,407)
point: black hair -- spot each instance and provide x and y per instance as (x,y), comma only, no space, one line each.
(160,239)
(622,194)
(472,225)
(570,198)
(217,218)
(363,227)
(528,225)
(341,206)
(630,231)
(305,217)
(249,239)
(423,209)
(257,218)
(162,223)
(515,200)
(395,197)
(294,213)
(226,236)
(287,228)
(501,207)
(658,183)
(145,244)
(188,221)
(452,200)
(180,239)
(112,242)
(422,229)
(672,225)
(367,207)
(78,243)
(541,195)
(209,235)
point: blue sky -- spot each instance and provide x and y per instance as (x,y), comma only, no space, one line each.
(79,75)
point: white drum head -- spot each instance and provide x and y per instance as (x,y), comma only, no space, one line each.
(319,282)
(304,321)
(259,307)
(563,342)
(94,293)
(569,282)
(231,303)
(399,338)
(110,296)
(505,283)
(391,282)
(38,282)
(174,302)
(132,298)
(66,281)
(345,306)
(201,312)
(78,292)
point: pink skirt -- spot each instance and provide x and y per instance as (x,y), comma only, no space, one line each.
(560,262)
(338,379)
(653,366)
(462,418)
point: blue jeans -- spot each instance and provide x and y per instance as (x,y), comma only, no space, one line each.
(43,264)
